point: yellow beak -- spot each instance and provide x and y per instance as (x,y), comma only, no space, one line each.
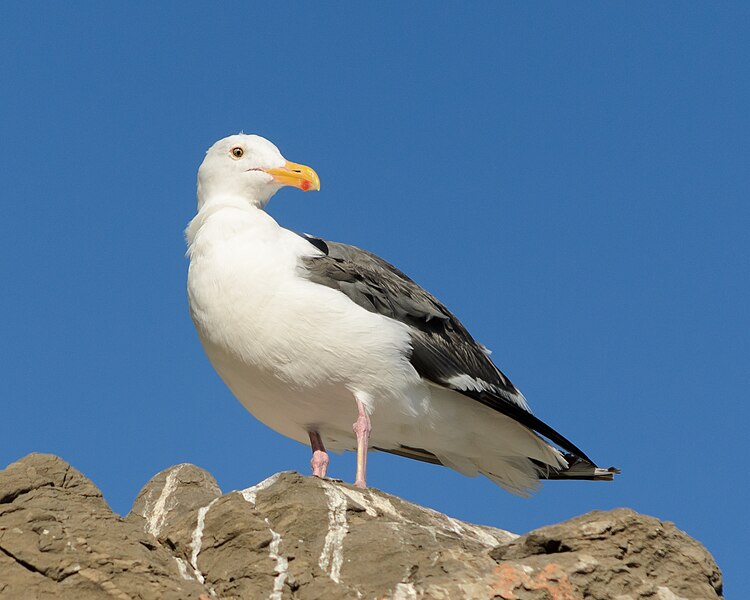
(299,176)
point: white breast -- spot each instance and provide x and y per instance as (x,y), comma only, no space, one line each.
(292,351)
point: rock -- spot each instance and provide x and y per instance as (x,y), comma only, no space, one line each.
(59,539)
(173,491)
(310,538)
(300,537)
(604,555)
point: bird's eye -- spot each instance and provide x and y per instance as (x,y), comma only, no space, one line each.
(237,152)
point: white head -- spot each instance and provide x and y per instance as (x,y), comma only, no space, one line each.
(249,167)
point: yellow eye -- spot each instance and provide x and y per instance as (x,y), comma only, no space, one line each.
(237,152)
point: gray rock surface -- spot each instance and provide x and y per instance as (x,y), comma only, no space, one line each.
(171,493)
(615,554)
(59,539)
(299,537)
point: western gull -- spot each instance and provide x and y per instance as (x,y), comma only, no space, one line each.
(313,335)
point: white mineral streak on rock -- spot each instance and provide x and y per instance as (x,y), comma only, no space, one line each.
(664,593)
(359,498)
(384,505)
(182,567)
(477,533)
(404,591)
(250,494)
(196,540)
(333,548)
(282,564)
(480,535)
(157,515)
(373,503)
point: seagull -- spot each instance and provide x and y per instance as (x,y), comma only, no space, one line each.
(331,345)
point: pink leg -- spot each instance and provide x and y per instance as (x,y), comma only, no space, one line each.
(362,428)
(319,462)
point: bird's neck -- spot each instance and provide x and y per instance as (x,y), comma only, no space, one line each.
(227,215)
(229,200)
(257,196)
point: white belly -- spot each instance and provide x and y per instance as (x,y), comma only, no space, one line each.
(291,411)
(294,353)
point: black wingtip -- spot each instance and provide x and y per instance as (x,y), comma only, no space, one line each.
(577,469)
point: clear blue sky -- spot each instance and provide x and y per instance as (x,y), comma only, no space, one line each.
(571,180)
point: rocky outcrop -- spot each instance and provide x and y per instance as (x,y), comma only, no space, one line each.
(298,537)
(617,554)
(59,539)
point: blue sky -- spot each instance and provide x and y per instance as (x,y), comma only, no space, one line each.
(571,180)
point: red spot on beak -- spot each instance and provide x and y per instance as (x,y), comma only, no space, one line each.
(305,185)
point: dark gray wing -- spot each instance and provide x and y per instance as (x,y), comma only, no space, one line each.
(443,351)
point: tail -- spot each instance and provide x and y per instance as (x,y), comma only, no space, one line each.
(578,469)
